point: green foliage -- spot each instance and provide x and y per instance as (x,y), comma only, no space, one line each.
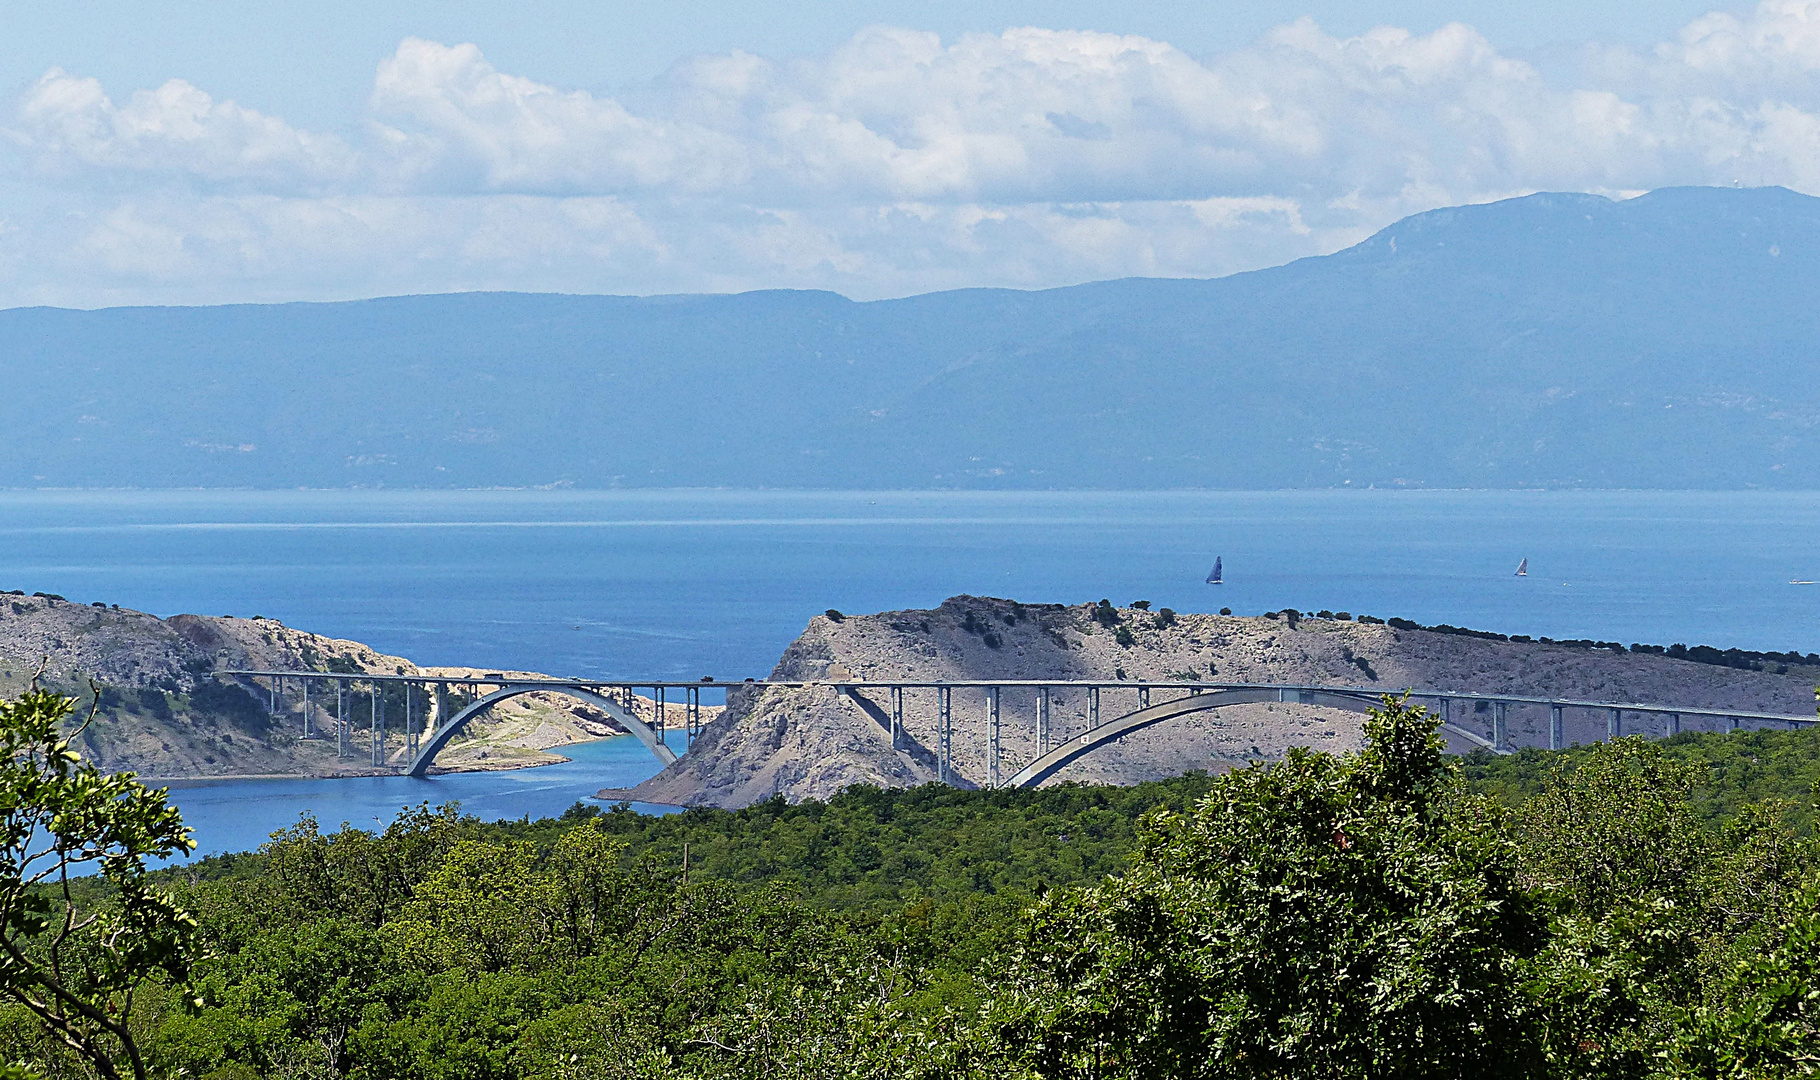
(76,967)
(1105,614)
(1764,1021)
(1729,771)
(1163,619)
(1633,911)
(229,702)
(1326,917)
(1124,637)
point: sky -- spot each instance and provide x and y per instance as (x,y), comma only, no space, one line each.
(202,152)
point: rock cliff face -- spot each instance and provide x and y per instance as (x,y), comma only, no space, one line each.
(163,712)
(811,742)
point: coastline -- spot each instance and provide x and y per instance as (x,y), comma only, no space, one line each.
(625,795)
(485,766)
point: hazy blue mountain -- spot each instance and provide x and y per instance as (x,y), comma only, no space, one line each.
(1557,340)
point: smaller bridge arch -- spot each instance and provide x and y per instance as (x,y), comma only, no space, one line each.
(1085,743)
(624,717)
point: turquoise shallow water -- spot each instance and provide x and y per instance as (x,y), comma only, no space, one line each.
(679,584)
(238,815)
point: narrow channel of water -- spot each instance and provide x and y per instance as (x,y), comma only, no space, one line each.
(239,815)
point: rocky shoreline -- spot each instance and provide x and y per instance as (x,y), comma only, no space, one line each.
(160,709)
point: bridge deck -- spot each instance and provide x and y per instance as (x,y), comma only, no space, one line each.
(615,697)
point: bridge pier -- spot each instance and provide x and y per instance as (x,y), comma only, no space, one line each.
(410,724)
(897,718)
(441,705)
(693,718)
(1499,727)
(341,720)
(992,736)
(1614,724)
(945,731)
(1556,736)
(1042,721)
(1674,723)
(1093,707)
(376,732)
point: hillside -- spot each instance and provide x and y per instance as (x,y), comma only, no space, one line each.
(812,742)
(1666,341)
(162,712)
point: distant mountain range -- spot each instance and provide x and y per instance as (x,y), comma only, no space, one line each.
(1667,341)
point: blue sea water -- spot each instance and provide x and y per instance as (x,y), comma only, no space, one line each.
(680,584)
(239,815)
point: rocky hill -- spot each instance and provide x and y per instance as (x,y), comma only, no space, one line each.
(161,710)
(811,742)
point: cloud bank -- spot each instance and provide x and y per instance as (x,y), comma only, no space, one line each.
(897,163)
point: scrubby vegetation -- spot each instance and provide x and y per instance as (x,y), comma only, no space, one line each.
(1632,909)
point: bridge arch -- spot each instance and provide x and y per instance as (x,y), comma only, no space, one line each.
(451,727)
(1085,743)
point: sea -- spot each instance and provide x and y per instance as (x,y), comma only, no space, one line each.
(680,584)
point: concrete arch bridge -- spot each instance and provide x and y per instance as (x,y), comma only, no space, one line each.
(435,709)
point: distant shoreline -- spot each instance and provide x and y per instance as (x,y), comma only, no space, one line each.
(557,759)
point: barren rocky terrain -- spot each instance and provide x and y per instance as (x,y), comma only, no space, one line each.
(161,709)
(811,742)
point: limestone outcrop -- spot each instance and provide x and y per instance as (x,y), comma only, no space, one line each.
(164,712)
(811,742)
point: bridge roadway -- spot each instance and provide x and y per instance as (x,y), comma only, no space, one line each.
(615,698)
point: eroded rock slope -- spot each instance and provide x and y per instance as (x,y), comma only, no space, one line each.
(164,711)
(811,742)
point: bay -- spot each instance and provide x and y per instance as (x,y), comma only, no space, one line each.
(679,584)
(240,815)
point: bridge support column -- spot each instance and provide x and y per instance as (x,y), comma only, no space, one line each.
(944,731)
(373,707)
(658,712)
(410,726)
(897,718)
(306,707)
(377,733)
(693,718)
(1614,723)
(1042,720)
(1498,726)
(341,719)
(1556,736)
(1143,697)
(1093,707)
(992,736)
(1731,723)
(1674,723)
(272,702)
(441,705)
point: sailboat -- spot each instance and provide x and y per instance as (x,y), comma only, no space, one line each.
(1523,568)
(1213,578)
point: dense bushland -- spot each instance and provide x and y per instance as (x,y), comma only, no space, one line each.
(1626,910)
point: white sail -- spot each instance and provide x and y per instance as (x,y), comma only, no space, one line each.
(1213,577)
(1523,568)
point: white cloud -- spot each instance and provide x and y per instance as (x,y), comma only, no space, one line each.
(896,162)
(67,125)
